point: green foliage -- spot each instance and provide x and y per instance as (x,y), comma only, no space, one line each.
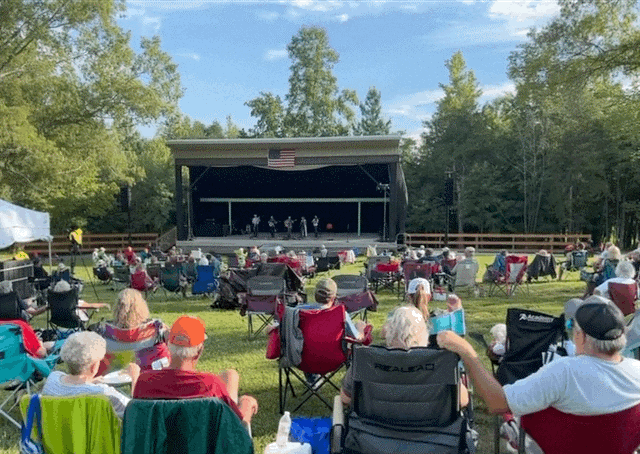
(314,104)
(371,121)
(75,88)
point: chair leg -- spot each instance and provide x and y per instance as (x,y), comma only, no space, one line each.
(496,434)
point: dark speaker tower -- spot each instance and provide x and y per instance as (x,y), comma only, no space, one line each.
(125,198)
(448,192)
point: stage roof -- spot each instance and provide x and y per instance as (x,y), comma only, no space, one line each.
(309,151)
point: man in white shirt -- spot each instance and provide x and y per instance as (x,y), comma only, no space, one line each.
(598,380)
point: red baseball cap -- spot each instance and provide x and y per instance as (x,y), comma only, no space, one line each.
(187,331)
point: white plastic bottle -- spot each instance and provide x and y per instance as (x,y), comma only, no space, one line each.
(284,427)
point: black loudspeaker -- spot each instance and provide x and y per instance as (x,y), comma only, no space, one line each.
(125,198)
(448,192)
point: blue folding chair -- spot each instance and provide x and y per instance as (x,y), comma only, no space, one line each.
(207,281)
(18,370)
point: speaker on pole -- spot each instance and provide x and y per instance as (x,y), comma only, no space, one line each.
(125,198)
(448,192)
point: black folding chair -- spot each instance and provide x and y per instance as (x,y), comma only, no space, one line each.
(63,310)
(9,307)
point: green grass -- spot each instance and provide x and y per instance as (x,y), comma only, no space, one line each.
(228,347)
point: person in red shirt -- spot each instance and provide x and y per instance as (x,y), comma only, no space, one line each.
(32,345)
(130,256)
(181,380)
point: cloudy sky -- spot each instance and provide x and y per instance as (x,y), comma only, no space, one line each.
(230,51)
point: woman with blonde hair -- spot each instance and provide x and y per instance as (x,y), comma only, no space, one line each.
(133,330)
(419,295)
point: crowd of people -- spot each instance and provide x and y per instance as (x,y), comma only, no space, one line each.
(595,380)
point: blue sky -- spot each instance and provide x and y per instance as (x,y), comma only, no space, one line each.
(229,51)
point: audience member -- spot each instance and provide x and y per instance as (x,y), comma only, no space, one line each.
(82,353)
(140,279)
(625,272)
(598,380)
(181,380)
(130,256)
(405,328)
(419,295)
(26,309)
(83,306)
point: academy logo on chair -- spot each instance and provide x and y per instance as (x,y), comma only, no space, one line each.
(535,318)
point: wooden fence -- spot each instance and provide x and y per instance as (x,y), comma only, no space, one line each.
(532,242)
(110,241)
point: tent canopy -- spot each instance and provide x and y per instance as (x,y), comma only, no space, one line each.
(21,225)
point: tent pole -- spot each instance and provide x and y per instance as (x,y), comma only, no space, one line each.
(50,261)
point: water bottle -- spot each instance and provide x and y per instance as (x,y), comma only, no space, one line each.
(284,427)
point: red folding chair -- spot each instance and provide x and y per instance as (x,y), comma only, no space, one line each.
(264,293)
(514,276)
(624,296)
(412,270)
(560,433)
(323,353)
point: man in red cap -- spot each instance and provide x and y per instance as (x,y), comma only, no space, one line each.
(181,380)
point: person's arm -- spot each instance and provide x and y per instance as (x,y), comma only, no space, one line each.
(486,385)
(248,406)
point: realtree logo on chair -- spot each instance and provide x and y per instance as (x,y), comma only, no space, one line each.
(416,368)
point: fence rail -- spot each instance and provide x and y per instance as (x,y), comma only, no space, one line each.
(110,241)
(530,242)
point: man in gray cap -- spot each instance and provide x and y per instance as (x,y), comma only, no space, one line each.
(597,381)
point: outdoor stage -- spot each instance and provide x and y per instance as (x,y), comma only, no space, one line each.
(333,242)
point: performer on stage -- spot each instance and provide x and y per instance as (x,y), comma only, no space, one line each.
(316,222)
(288,223)
(272,226)
(75,236)
(303,227)
(255,221)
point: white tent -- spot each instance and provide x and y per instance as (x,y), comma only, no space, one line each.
(21,225)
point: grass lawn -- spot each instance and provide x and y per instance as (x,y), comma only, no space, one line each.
(228,347)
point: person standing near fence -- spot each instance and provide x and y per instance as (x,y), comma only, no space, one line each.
(75,236)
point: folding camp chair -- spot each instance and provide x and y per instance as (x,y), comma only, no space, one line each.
(624,296)
(206,281)
(190,271)
(324,264)
(530,334)
(323,352)
(559,433)
(353,293)
(513,278)
(9,307)
(183,426)
(404,401)
(18,370)
(465,277)
(412,270)
(374,276)
(145,344)
(78,424)
(63,310)
(264,293)
(576,261)
(173,280)
(102,273)
(121,278)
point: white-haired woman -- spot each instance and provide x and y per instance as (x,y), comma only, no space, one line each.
(405,328)
(82,353)
(625,272)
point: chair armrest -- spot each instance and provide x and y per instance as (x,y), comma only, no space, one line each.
(336,440)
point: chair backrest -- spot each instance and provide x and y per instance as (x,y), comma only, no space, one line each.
(529,334)
(13,356)
(266,285)
(412,270)
(349,284)
(62,308)
(407,388)
(185,425)
(171,278)
(578,259)
(466,273)
(558,433)
(516,268)
(624,296)
(206,280)
(9,308)
(85,423)
(139,280)
(122,273)
(146,341)
(323,332)
(154,271)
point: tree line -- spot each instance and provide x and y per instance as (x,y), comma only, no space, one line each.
(559,154)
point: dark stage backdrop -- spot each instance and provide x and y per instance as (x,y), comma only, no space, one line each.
(256,182)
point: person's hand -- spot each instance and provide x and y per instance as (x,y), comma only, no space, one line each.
(248,406)
(449,340)
(133,370)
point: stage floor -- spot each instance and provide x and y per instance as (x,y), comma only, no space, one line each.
(333,242)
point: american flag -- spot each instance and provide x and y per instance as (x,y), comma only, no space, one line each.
(281,158)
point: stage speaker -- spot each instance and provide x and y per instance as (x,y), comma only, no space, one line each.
(448,192)
(125,198)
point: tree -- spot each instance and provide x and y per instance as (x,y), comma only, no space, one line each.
(78,89)
(371,121)
(314,104)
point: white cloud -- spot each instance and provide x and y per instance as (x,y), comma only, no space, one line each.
(490,92)
(275,54)
(319,5)
(191,55)
(152,23)
(523,10)
(342,18)
(170,4)
(134,12)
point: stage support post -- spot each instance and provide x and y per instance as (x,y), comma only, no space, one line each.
(179,208)
(230,225)
(359,216)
